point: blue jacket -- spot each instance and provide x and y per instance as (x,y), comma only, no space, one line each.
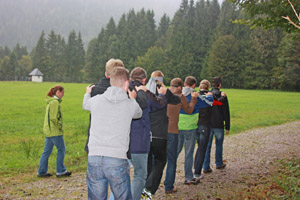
(140,128)
(190,121)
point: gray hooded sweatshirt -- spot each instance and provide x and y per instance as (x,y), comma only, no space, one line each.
(111,116)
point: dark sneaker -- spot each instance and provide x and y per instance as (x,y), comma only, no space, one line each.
(207,171)
(64,174)
(171,191)
(44,175)
(221,167)
(193,181)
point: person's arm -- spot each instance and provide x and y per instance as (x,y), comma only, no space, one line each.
(137,110)
(86,105)
(226,114)
(54,109)
(187,106)
(141,98)
(172,98)
(156,102)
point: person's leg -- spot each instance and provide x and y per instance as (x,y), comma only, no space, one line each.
(116,171)
(150,160)
(43,167)
(59,142)
(206,163)
(172,145)
(139,162)
(189,146)
(219,135)
(180,142)
(95,178)
(160,157)
(204,133)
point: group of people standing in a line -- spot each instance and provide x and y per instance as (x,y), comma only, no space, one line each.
(145,124)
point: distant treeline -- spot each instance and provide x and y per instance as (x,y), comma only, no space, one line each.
(200,40)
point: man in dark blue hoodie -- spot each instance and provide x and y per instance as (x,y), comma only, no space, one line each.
(140,131)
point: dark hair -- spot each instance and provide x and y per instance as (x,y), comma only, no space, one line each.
(190,80)
(176,82)
(138,73)
(216,81)
(53,90)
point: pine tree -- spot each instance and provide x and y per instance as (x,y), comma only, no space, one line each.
(287,74)
(39,52)
(223,61)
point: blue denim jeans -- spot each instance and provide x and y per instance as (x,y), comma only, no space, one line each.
(219,136)
(202,136)
(103,170)
(139,162)
(172,146)
(187,138)
(58,141)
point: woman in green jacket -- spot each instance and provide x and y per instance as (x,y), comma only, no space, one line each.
(53,130)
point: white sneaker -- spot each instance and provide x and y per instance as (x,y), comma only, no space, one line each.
(146,195)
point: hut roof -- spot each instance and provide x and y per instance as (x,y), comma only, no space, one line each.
(36,72)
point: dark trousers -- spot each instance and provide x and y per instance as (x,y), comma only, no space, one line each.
(157,158)
(202,136)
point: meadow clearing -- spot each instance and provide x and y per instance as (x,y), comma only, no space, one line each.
(22,109)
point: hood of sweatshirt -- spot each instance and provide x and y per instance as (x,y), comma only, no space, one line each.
(115,94)
(49,99)
(187,90)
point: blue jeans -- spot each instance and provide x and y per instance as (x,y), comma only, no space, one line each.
(103,170)
(187,138)
(172,145)
(58,141)
(139,162)
(219,135)
(202,135)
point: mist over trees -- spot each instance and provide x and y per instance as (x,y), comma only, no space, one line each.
(200,40)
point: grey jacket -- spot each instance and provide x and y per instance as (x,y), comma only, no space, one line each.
(111,113)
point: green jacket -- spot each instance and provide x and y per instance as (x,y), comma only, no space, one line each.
(53,122)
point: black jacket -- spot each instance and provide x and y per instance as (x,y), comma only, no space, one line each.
(204,114)
(220,114)
(159,121)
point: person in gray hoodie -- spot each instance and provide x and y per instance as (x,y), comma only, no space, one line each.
(112,113)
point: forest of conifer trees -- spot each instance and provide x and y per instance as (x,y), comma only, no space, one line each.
(200,40)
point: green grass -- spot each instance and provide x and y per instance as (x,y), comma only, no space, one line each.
(282,183)
(22,110)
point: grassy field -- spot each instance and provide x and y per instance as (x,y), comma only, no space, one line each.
(22,109)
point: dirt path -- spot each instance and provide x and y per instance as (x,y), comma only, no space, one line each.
(250,154)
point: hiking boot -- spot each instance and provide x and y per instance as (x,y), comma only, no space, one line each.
(64,174)
(221,167)
(207,171)
(146,195)
(193,181)
(171,191)
(44,175)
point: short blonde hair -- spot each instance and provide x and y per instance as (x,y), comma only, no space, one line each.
(111,64)
(204,85)
(119,76)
